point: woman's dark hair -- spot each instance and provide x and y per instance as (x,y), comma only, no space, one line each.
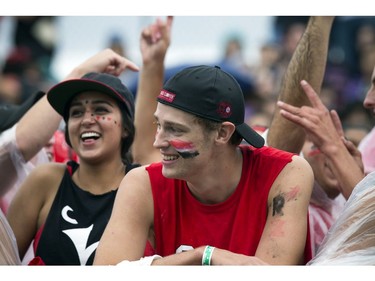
(126,143)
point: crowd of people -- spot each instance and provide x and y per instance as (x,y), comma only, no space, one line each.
(193,169)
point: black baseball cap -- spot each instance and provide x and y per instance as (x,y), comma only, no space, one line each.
(210,93)
(10,114)
(60,95)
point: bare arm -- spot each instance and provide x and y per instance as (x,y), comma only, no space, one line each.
(219,257)
(325,131)
(155,40)
(287,215)
(126,233)
(308,63)
(28,209)
(44,120)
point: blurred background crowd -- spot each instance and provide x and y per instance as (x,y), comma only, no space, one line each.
(38,51)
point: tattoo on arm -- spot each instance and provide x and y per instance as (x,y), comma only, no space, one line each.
(278,203)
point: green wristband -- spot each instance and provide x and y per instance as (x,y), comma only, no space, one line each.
(207,254)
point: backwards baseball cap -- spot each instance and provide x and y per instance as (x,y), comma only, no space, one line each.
(60,95)
(10,114)
(210,93)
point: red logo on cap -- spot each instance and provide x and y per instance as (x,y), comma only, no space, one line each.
(224,110)
(167,96)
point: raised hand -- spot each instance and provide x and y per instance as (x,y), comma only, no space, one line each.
(154,43)
(324,129)
(155,40)
(315,120)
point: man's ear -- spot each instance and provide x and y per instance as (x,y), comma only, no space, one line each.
(225,132)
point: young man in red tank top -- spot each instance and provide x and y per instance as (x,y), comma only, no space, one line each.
(218,196)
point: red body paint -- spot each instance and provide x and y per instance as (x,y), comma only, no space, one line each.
(277,229)
(292,195)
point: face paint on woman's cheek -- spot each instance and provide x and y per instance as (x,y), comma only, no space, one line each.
(314,152)
(185,149)
(109,119)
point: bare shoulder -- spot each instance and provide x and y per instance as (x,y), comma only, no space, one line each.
(300,164)
(48,171)
(137,179)
(138,173)
(39,187)
(134,193)
(296,175)
(45,177)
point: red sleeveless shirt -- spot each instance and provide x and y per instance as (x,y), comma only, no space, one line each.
(181,222)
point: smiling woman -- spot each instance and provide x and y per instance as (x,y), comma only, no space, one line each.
(63,97)
(63,208)
(98,110)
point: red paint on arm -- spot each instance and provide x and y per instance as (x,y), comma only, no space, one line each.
(277,228)
(292,194)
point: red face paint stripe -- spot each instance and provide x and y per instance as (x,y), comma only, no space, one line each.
(185,149)
(181,144)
